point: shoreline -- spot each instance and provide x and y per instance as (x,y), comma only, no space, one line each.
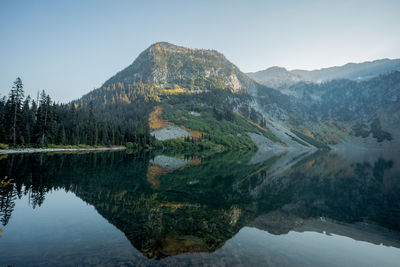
(40,150)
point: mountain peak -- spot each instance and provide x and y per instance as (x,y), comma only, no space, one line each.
(165,45)
(276,68)
(164,63)
(275,77)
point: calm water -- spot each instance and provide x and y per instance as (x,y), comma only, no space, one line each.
(263,209)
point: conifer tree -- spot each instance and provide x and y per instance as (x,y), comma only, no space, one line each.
(16,96)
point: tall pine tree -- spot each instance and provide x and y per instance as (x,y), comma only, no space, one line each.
(16,97)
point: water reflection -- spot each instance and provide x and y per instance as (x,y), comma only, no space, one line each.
(172,204)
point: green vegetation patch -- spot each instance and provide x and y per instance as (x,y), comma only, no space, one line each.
(215,126)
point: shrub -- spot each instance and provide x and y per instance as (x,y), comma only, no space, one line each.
(130,145)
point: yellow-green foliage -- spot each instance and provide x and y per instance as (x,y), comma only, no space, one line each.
(80,146)
(3,146)
(6,182)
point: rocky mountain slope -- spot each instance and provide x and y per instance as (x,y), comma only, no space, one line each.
(337,104)
(339,110)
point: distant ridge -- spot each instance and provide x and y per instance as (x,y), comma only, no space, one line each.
(352,71)
(278,77)
(275,77)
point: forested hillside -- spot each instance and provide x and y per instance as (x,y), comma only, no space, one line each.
(173,97)
(180,79)
(42,122)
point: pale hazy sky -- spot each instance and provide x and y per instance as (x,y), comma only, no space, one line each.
(70,47)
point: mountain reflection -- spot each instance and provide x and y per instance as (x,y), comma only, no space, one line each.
(172,204)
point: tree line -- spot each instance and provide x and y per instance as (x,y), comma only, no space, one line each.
(26,122)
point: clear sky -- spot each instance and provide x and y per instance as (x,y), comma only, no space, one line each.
(70,47)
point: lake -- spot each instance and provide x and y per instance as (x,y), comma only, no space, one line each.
(123,208)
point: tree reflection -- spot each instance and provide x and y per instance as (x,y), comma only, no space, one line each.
(199,205)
